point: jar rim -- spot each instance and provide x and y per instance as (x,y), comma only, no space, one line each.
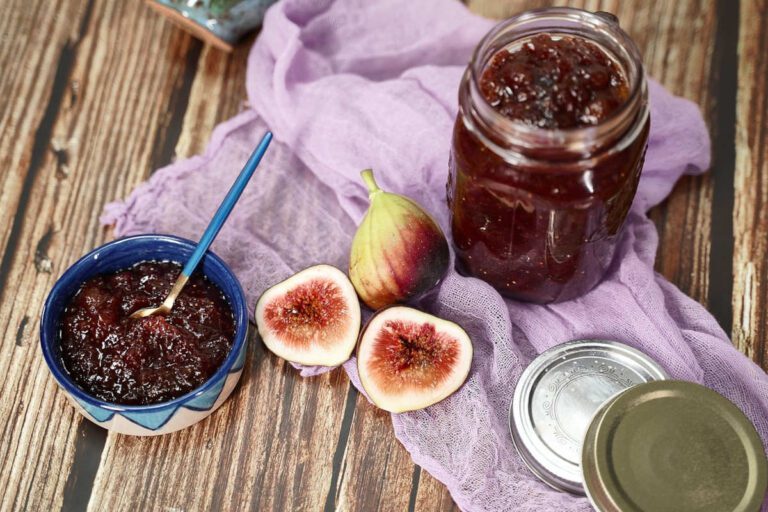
(615,124)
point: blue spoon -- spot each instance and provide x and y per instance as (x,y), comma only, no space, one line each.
(211,231)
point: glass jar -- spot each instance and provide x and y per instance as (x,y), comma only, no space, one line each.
(538,212)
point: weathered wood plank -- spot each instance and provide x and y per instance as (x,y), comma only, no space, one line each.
(37,445)
(684,218)
(750,262)
(85,108)
(376,471)
(218,93)
(432,494)
(269,447)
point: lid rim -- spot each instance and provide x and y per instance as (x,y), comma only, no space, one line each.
(551,467)
(607,494)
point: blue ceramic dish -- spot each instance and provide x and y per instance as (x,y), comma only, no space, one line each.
(219,22)
(164,417)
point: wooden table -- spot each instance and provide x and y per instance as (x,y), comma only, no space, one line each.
(95,94)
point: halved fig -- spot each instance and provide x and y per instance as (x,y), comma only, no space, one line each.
(311,318)
(409,360)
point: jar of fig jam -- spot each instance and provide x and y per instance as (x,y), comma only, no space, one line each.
(547,151)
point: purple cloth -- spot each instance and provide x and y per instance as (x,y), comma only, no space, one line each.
(356,84)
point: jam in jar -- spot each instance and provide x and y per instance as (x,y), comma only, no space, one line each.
(547,152)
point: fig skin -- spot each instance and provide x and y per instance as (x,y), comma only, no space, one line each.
(321,294)
(408,360)
(398,252)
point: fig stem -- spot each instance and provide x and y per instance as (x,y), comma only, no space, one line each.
(370,182)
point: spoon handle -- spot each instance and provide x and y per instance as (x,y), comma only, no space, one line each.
(226,206)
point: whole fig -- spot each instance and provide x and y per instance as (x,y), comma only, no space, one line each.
(398,253)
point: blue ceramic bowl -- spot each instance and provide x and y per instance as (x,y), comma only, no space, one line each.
(159,418)
(218,22)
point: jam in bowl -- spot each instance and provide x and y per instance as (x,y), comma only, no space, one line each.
(153,375)
(547,151)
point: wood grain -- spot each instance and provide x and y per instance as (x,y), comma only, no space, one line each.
(683,220)
(87,111)
(37,48)
(750,216)
(96,94)
(217,94)
(269,447)
(280,448)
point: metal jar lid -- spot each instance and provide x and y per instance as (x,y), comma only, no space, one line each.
(557,396)
(673,446)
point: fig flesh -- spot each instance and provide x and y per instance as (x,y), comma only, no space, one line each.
(398,253)
(311,318)
(409,360)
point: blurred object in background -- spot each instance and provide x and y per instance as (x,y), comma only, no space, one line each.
(218,22)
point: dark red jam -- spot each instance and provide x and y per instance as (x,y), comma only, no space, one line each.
(543,228)
(554,83)
(149,360)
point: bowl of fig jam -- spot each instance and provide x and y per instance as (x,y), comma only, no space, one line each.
(153,375)
(547,151)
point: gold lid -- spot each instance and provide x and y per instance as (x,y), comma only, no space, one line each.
(673,446)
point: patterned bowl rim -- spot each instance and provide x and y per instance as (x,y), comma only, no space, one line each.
(238,303)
